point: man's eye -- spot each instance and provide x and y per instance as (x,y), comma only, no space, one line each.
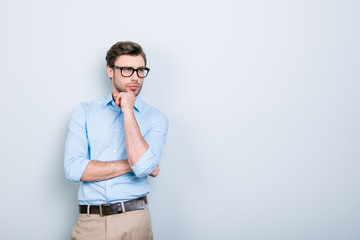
(127,69)
(141,70)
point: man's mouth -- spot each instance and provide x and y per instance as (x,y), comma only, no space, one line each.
(133,87)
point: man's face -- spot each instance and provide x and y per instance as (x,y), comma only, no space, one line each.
(124,84)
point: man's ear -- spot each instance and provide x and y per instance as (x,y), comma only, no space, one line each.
(110,72)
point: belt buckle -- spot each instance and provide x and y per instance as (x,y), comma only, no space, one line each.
(100,208)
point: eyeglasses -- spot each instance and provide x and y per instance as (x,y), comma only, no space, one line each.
(129,71)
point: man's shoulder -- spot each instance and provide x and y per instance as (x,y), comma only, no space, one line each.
(89,106)
(95,103)
(98,102)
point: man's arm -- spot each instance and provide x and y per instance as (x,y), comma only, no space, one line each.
(143,153)
(136,146)
(98,170)
(134,141)
(77,165)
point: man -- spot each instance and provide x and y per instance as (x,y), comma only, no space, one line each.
(112,145)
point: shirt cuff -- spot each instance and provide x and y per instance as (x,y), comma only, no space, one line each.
(76,170)
(146,164)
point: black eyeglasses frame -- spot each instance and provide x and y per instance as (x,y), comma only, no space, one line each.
(133,70)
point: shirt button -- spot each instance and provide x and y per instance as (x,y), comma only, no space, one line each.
(114,150)
(117,130)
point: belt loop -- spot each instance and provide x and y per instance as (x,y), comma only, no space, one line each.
(100,208)
(88,210)
(123,207)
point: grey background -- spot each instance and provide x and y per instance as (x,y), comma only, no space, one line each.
(262,97)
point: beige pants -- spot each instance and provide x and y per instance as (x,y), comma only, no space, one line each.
(134,225)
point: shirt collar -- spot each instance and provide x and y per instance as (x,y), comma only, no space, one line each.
(139,103)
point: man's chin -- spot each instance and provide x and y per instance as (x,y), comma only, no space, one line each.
(136,92)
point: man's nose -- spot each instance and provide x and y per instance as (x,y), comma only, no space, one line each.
(134,77)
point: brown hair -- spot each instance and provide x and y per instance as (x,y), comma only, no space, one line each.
(123,48)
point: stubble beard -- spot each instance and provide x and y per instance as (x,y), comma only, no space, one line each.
(119,89)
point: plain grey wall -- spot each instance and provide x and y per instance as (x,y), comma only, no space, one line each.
(262,97)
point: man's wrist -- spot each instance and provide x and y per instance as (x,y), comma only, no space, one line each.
(124,166)
(127,111)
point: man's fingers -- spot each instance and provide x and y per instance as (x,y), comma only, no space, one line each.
(156,171)
(125,99)
(118,100)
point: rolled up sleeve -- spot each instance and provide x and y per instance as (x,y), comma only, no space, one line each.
(155,138)
(76,156)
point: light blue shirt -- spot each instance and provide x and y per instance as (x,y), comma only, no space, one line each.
(96,132)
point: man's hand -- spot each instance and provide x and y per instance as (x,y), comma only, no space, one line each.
(155,172)
(125,100)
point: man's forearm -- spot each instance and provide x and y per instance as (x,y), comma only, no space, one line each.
(136,146)
(98,171)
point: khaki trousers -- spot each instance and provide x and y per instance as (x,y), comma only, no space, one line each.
(134,225)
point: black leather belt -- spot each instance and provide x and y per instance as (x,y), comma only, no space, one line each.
(114,208)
